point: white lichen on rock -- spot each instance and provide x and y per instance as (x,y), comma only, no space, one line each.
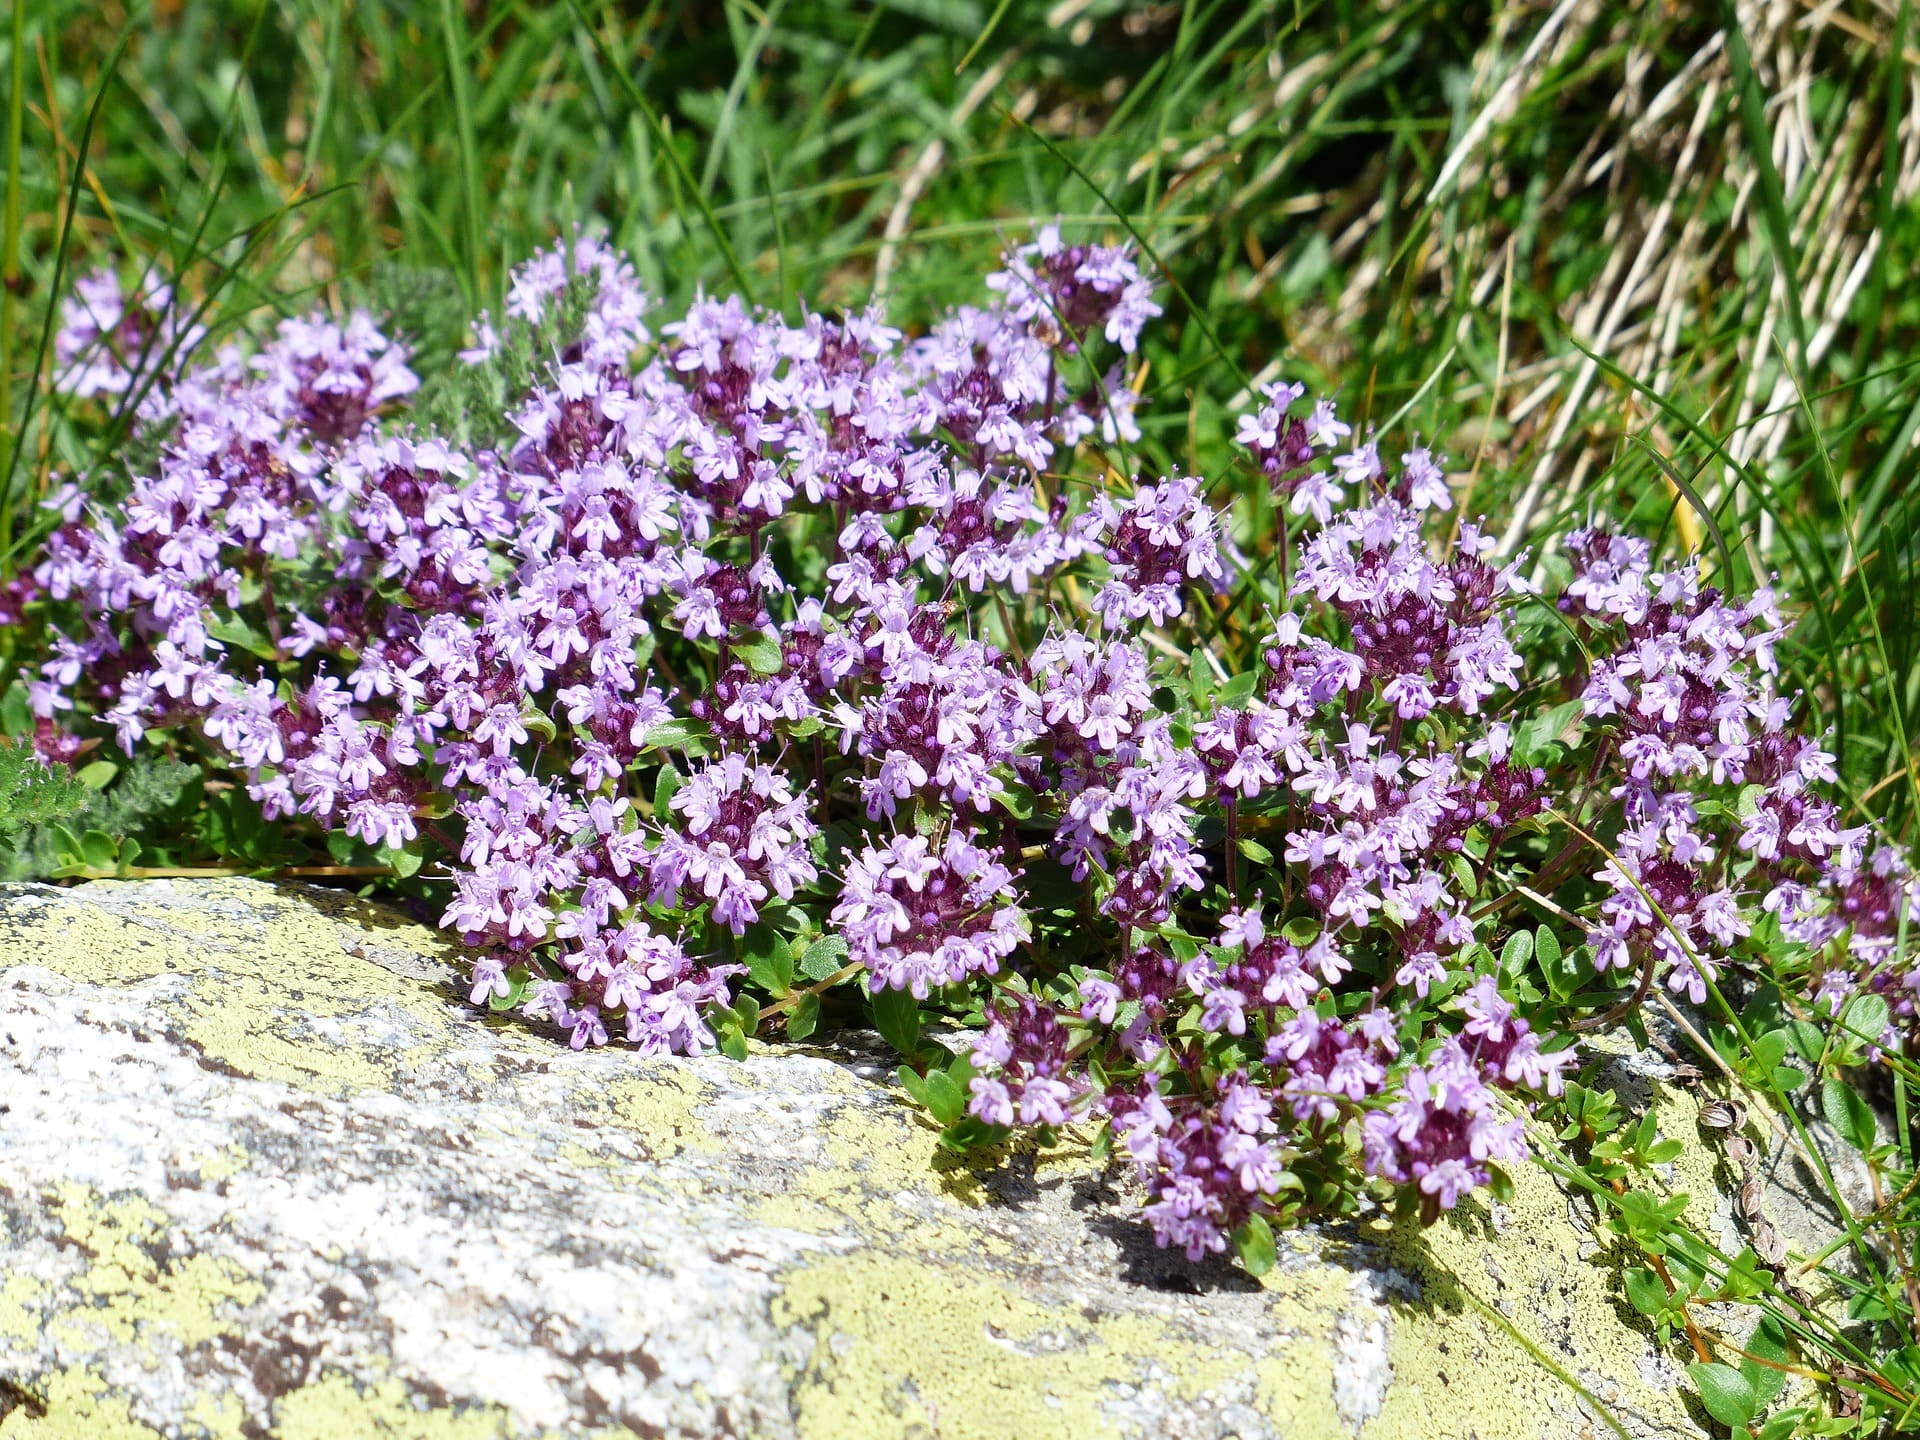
(263,1172)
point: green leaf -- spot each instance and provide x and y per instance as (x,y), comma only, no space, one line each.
(1199,676)
(1769,1050)
(665,786)
(99,849)
(732,1043)
(1807,1040)
(1726,1394)
(1500,1183)
(16,711)
(896,1015)
(98,775)
(1535,739)
(1018,799)
(677,735)
(403,863)
(823,957)
(1547,946)
(748,1009)
(1102,1147)
(1865,1016)
(1236,692)
(769,961)
(1256,852)
(1645,1292)
(761,653)
(1648,1221)
(1849,1113)
(804,1018)
(1463,872)
(911,1082)
(1254,1241)
(945,1098)
(232,630)
(1768,1342)
(519,981)
(1516,952)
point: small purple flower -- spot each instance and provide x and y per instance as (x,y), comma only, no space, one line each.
(919,917)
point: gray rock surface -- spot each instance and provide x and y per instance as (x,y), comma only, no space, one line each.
(264,1173)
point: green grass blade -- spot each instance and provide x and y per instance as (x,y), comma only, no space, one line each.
(1198,312)
(665,143)
(1773,201)
(452,30)
(730,107)
(1700,507)
(986,33)
(10,244)
(59,273)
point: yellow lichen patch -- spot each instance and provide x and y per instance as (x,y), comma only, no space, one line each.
(88,945)
(1296,1383)
(20,1299)
(223,1164)
(80,1405)
(336,1408)
(658,1106)
(188,1298)
(836,1198)
(883,1169)
(892,1150)
(222,1416)
(192,922)
(907,1347)
(1696,1170)
(1293,1386)
(870,1158)
(274,996)
(1459,1371)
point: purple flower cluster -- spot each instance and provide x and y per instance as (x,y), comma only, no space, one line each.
(917,916)
(109,338)
(731,632)
(1727,815)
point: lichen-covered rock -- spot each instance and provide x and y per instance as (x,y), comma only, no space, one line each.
(264,1173)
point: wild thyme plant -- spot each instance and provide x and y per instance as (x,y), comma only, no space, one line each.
(723,669)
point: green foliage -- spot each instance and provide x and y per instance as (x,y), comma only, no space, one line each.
(109,818)
(1848,1112)
(34,793)
(1728,1395)
(896,1015)
(942,1091)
